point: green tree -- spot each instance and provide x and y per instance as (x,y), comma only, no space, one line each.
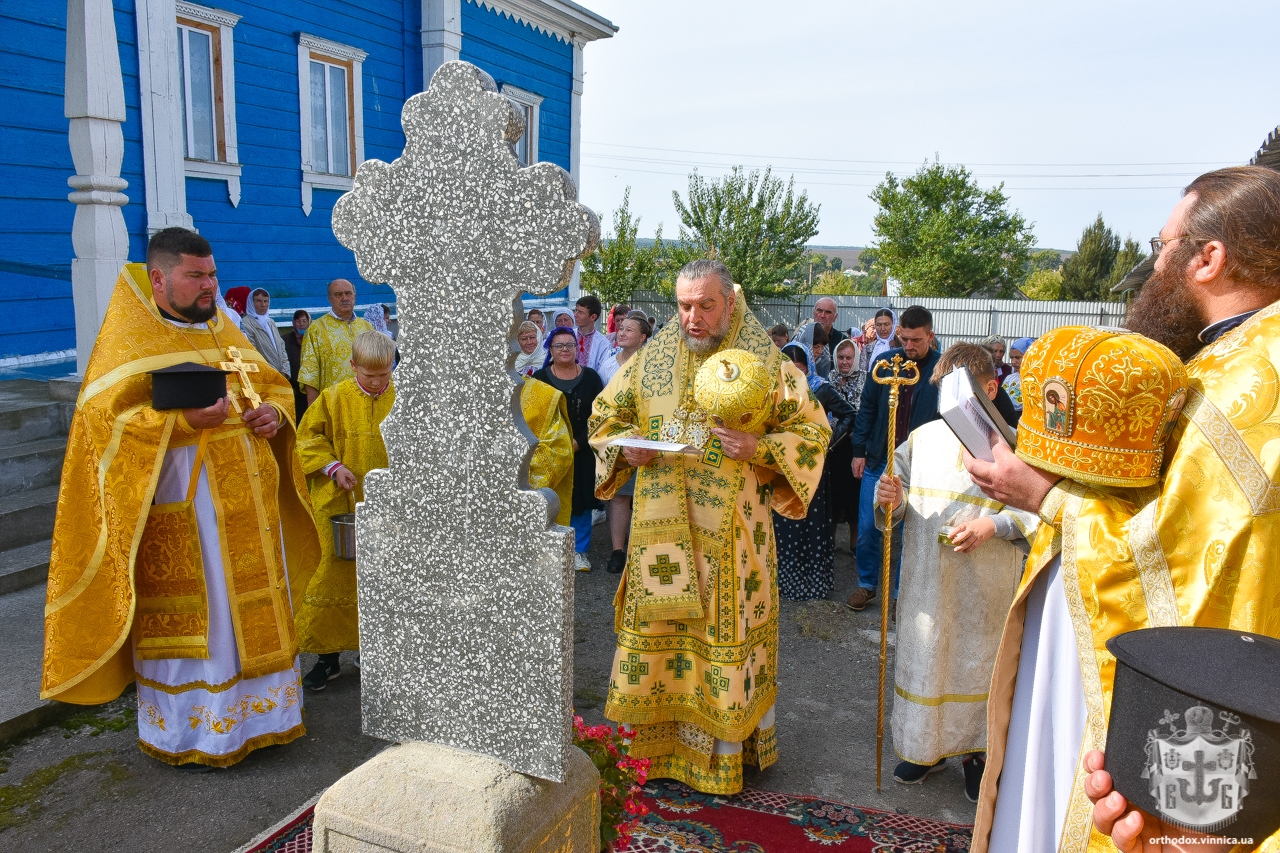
(1043,284)
(846,283)
(941,234)
(1129,256)
(620,265)
(1044,259)
(1085,274)
(754,223)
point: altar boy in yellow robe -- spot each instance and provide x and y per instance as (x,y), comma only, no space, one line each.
(339,442)
(181,534)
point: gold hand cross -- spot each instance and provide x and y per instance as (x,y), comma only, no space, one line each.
(897,373)
(244,368)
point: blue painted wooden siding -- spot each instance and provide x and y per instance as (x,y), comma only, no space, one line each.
(267,240)
(35,160)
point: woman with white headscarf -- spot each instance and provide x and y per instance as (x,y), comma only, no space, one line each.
(261,330)
(885,331)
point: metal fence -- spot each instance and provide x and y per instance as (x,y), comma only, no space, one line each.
(953,319)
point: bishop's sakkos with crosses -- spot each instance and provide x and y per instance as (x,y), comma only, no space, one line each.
(696,613)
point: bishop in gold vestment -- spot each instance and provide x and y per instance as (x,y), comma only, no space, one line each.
(1201,549)
(185,590)
(343,425)
(696,612)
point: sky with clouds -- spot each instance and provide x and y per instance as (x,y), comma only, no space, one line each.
(1079,108)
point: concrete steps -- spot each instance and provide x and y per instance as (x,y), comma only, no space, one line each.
(24,566)
(34,418)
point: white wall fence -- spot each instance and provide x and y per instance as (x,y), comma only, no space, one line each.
(953,319)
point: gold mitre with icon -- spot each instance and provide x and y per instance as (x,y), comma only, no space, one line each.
(1099,405)
(733,385)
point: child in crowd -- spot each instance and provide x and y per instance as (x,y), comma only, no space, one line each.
(780,334)
(1012,383)
(339,442)
(962,557)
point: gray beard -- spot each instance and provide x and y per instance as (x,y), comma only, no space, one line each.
(706,345)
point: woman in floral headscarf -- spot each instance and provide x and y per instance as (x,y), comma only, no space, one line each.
(847,379)
(805,547)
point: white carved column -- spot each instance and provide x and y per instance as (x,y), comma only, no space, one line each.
(575,117)
(441,35)
(94,102)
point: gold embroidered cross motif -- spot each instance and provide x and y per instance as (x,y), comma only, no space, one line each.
(715,681)
(752,584)
(807,455)
(242,369)
(632,668)
(664,569)
(679,665)
(759,536)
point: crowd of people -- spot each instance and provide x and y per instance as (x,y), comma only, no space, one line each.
(1001,615)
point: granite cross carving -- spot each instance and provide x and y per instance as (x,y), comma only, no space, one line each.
(465,585)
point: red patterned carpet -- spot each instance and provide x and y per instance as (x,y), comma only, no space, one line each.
(683,821)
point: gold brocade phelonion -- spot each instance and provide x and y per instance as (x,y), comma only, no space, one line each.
(733,385)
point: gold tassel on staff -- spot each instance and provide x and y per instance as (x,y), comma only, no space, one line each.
(897,373)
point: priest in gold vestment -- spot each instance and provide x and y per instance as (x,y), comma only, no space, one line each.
(184,587)
(696,611)
(1201,548)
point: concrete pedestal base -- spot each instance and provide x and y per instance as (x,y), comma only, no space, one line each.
(428,798)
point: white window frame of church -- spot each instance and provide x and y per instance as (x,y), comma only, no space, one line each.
(218,25)
(526,147)
(329,54)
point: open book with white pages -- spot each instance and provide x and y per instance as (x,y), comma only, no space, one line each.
(972,416)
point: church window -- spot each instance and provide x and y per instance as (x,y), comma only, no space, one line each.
(331,107)
(206,88)
(528,106)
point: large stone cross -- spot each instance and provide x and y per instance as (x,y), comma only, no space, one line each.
(465,586)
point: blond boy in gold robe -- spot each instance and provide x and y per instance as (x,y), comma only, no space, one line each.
(339,442)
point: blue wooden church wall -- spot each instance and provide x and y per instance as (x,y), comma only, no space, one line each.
(267,240)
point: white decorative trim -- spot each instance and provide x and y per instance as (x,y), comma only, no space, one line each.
(441,35)
(229,172)
(534,102)
(215,17)
(162,152)
(38,358)
(319,180)
(311,179)
(566,21)
(331,48)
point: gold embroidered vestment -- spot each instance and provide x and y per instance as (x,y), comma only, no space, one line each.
(342,425)
(696,611)
(121,567)
(1200,549)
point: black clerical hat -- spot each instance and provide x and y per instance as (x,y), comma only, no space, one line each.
(187,386)
(1194,735)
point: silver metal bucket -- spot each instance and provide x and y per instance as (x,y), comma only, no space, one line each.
(344,535)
